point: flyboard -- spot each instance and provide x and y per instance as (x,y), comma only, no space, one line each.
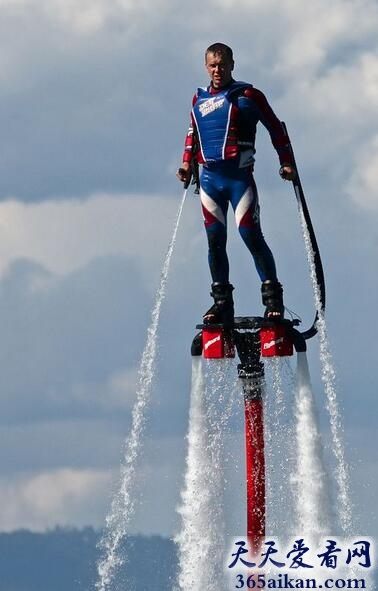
(252,339)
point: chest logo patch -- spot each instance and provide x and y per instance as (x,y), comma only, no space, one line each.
(211,105)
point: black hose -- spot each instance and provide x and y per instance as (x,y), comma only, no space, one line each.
(314,245)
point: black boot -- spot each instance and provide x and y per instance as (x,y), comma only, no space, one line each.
(222,311)
(272,298)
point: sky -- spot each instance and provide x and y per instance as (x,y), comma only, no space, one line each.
(94,105)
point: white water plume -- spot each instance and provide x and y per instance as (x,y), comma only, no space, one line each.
(344,504)
(123,504)
(280,446)
(201,541)
(310,479)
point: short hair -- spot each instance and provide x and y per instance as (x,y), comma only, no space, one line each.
(221,49)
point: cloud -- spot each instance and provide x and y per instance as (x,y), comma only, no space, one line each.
(66,235)
(77,114)
(69,337)
(42,500)
(363,183)
(67,494)
(83,17)
(49,444)
(76,284)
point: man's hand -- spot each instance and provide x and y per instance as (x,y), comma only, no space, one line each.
(287,172)
(183,173)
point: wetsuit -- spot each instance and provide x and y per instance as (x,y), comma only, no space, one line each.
(222,138)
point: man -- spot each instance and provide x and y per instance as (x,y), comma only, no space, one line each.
(221,137)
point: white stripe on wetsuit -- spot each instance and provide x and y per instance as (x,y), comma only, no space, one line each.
(212,207)
(226,133)
(244,205)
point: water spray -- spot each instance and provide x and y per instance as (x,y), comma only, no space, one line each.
(123,503)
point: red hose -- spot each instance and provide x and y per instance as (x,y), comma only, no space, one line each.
(255,468)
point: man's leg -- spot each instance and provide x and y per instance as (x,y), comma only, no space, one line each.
(215,215)
(247,214)
(214,208)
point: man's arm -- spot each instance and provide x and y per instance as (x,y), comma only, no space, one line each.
(278,135)
(184,172)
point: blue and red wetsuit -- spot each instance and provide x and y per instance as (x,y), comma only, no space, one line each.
(222,138)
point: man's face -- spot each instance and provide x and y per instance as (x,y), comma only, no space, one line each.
(219,68)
